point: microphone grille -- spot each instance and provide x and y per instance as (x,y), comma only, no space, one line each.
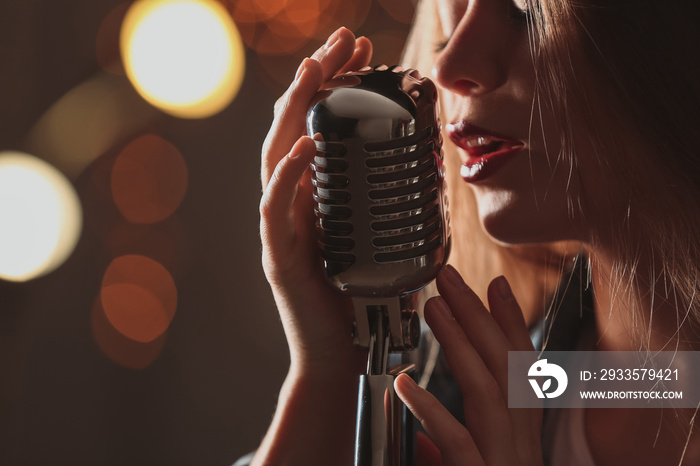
(378,178)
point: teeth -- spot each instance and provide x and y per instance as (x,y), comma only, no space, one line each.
(479,141)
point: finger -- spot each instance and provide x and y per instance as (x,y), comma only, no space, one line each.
(427,453)
(336,52)
(276,205)
(485,409)
(492,335)
(477,323)
(361,56)
(340,48)
(290,110)
(452,439)
(506,311)
(289,122)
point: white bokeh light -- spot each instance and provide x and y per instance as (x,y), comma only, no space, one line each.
(183,56)
(40,217)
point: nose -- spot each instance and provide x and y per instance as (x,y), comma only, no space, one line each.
(474,61)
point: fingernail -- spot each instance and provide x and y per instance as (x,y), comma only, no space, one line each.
(294,153)
(297,149)
(333,38)
(410,382)
(442,308)
(504,291)
(453,277)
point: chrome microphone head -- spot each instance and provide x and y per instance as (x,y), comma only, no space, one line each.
(380,193)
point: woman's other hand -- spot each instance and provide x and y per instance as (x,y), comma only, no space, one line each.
(476,344)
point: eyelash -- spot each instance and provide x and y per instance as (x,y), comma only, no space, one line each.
(515,15)
(440,45)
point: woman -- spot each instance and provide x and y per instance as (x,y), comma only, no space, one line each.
(571,129)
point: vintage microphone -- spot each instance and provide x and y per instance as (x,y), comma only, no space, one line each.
(380,202)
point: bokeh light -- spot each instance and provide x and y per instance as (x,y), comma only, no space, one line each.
(343,13)
(149,179)
(185,57)
(120,349)
(40,217)
(139,297)
(88,121)
(283,27)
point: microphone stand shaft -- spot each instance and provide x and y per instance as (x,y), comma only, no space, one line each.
(383,432)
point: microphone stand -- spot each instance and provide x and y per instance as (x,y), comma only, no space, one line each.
(384,433)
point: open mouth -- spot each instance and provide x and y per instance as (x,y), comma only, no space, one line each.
(478,142)
(479,146)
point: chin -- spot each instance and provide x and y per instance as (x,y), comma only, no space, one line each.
(508,221)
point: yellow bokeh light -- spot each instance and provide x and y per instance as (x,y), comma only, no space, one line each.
(40,217)
(185,57)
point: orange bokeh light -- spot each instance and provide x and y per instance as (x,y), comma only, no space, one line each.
(283,27)
(254,11)
(139,297)
(120,349)
(134,311)
(299,18)
(342,13)
(265,37)
(149,180)
(243,11)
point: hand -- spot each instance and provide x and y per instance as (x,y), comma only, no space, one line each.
(316,320)
(476,345)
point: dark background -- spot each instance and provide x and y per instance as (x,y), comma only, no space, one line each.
(202,393)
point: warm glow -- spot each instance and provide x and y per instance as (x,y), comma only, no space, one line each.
(40,217)
(138,297)
(134,311)
(183,56)
(149,179)
(120,349)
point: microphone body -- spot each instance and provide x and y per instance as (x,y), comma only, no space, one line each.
(383,227)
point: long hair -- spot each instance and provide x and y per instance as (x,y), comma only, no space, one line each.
(625,77)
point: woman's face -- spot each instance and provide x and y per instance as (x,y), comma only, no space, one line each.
(508,140)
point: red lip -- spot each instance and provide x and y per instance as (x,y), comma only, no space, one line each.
(487,152)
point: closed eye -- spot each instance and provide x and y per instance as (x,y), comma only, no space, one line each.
(440,46)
